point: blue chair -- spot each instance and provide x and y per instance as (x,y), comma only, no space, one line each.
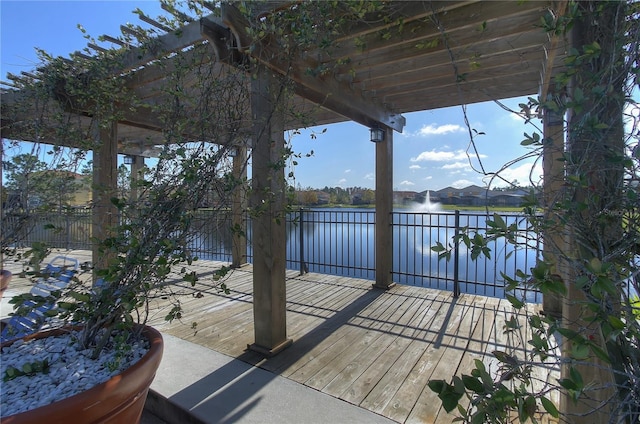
(57,275)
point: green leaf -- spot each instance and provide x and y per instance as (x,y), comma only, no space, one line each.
(479,365)
(515,302)
(479,417)
(67,305)
(549,407)
(600,353)
(568,384)
(569,334)
(80,297)
(437,385)
(504,396)
(438,248)
(499,221)
(580,351)
(616,322)
(576,376)
(505,358)
(473,384)
(450,401)
(449,394)
(191,278)
(595,265)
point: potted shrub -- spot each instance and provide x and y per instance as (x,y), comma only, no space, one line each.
(147,245)
(143,237)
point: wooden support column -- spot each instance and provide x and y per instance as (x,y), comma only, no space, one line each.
(553,190)
(384,209)
(238,210)
(105,182)
(267,211)
(594,160)
(136,167)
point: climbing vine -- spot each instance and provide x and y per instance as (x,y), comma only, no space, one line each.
(594,261)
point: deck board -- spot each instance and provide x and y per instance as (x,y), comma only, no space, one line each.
(376,349)
(446,352)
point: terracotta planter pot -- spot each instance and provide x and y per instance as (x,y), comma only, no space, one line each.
(118,400)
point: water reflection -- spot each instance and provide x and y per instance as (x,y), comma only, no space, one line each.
(341,242)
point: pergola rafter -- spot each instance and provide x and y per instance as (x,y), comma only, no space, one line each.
(497,47)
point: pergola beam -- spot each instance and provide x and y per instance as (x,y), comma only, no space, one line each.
(326,91)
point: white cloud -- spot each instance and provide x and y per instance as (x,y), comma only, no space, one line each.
(428,178)
(442,156)
(457,165)
(406,183)
(415,167)
(369,176)
(346,171)
(523,173)
(517,117)
(461,183)
(433,129)
(342,181)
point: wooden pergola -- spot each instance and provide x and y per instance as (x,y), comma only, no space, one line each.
(448,53)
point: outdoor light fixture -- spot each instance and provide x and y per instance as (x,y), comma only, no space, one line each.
(377,134)
(129,160)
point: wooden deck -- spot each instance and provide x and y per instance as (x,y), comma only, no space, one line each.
(373,348)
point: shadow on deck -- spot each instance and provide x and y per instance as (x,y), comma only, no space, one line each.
(374,349)
(371,348)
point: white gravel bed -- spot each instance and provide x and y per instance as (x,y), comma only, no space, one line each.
(71,371)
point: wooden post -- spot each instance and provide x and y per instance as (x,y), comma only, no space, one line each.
(136,167)
(267,209)
(238,210)
(553,190)
(105,181)
(384,209)
(593,159)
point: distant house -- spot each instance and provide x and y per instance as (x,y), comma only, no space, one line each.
(312,197)
(512,198)
(474,195)
(506,199)
(405,197)
(323,197)
(63,189)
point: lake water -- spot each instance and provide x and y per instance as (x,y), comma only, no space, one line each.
(341,241)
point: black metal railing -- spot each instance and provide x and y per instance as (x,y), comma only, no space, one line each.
(416,264)
(66,229)
(332,241)
(342,242)
(211,235)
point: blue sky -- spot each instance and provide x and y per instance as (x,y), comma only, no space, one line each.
(432,152)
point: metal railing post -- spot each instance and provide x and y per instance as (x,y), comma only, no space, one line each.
(456,257)
(68,230)
(303,265)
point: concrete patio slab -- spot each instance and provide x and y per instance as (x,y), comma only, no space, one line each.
(215,388)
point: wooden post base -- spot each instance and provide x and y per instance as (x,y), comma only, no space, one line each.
(377,286)
(270,352)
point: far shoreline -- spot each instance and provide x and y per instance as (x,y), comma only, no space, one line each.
(408,208)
